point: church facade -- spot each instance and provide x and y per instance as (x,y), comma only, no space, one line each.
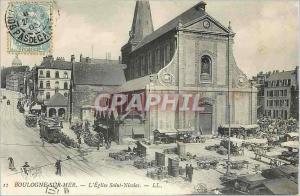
(191,54)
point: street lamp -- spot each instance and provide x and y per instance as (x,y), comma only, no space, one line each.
(228,100)
(251,105)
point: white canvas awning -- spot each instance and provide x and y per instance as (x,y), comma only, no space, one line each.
(291,144)
(233,126)
(189,129)
(36,107)
(167,131)
(293,134)
(254,126)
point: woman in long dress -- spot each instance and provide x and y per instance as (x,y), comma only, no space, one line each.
(11,164)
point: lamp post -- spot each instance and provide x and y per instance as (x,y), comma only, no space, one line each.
(251,104)
(228,100)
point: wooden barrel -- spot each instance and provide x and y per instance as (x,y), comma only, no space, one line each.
(160,159)
(173,167)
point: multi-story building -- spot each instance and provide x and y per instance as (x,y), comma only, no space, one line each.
(52,76)
(190,54)
(15,82)
(281,94)
(259,82)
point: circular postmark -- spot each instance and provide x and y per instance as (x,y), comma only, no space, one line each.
(29,23)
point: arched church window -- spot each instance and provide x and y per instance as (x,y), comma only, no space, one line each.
(206,68)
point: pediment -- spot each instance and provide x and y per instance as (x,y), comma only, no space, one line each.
(206,24)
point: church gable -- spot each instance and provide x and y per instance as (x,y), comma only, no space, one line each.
(206,23)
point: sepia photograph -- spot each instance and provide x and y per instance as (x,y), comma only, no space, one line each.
(149,97)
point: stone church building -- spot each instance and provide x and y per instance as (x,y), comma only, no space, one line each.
(191,54)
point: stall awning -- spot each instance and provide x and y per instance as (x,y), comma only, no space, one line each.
(189,129)
(36,107)
(293,134)
(167,130)
(291,144)
(254,126)
(232,126)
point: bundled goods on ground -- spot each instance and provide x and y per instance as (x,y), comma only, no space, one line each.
(170,151)
(238,164)
(157,173)
(141,164)
(122,155)
(222,150)
(90,139)
(67,141)
(290,156)
(207,164)
(187,157)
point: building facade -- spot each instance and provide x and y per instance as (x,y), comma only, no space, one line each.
(52,76)
(191,54)
(15,82)
(281,95)
(90,80)
(259,81)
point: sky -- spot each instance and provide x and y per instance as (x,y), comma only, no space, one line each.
(267,35)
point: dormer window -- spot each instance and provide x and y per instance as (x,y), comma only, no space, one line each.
(206,69)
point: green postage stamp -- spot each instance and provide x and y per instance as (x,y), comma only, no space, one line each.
(29,25)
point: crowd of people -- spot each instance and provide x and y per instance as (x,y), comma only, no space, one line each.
(275,129)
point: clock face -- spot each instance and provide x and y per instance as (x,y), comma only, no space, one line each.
(206,24)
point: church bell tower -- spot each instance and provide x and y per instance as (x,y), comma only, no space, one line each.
(141,27)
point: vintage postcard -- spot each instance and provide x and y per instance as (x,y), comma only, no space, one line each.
(149,97)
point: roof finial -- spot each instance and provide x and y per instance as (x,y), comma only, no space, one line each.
(229,26)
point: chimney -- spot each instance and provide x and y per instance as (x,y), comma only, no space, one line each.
(88,60)
(72,58)
(80,58)
(201,5)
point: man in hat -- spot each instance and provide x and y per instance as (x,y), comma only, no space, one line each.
(11,164)
(26,168)
(190,173)
(58,167)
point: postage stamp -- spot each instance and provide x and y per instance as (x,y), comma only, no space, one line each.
(29,26)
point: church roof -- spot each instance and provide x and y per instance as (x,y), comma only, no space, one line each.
(57,100)
(99,74)
(187,16)
(135,84)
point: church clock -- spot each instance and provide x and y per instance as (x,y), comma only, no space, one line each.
(206,24)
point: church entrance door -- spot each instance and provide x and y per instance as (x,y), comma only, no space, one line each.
(205,120)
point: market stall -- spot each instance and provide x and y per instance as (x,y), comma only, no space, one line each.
(165,135)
